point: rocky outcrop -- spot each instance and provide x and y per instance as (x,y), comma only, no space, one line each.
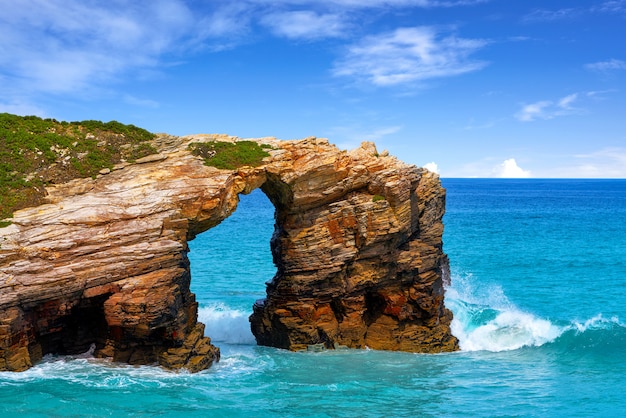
(357,245)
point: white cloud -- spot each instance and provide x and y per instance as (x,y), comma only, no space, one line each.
(607,66)
(432,166)
(510,169)
(409,54)
(548,109)
(305,24)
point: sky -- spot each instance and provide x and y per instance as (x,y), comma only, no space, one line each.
(468,88)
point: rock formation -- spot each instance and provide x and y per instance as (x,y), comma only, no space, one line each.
(357,245)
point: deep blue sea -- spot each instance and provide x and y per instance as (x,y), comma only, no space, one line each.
(539,297)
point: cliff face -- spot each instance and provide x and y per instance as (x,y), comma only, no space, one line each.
(357,246)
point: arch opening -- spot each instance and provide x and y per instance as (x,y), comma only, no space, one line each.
(230,265)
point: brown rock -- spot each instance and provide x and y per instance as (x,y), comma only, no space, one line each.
(105,261)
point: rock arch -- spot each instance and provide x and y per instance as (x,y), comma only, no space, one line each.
(357,246)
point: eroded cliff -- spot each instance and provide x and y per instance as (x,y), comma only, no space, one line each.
(357,245)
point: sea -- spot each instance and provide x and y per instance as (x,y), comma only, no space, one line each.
(538,292)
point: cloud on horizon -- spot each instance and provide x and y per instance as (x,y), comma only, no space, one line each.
(607,162)
(510,169)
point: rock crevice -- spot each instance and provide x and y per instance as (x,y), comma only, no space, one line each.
(357,246)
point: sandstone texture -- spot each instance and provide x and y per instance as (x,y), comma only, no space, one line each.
(357,246)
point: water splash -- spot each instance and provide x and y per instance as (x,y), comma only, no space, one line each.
(224,324)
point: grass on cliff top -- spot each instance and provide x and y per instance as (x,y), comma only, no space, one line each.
(35,152)
(230,155)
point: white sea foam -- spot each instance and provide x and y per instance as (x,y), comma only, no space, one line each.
(224,324)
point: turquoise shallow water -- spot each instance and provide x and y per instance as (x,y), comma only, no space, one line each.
(538,292)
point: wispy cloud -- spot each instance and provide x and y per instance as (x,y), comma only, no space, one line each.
(607,66)
(373,3)
(607,162)
(548,109)
(409,54)
(537,110)
(136,101)
(472,125)
(611,6)
(350,136)
(544,15)
(305,24)
(568,13)
(21,108)
(61,46)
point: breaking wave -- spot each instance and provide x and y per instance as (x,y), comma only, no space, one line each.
(488,321)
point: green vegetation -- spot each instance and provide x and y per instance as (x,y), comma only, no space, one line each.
(378,198)
(35,152)
(230,155)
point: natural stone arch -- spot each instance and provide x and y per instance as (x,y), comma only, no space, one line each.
(357,247)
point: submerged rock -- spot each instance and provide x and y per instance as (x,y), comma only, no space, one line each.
(357,246)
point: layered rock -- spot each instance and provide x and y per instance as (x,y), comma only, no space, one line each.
(357,247)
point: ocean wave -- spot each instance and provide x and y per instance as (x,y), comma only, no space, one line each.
(224,324)
(598,322)
(488,321)
(508,330)
(599,336)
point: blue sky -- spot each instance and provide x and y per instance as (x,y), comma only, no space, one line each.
(477,88)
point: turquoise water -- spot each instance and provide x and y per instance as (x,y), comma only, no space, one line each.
(539,297)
